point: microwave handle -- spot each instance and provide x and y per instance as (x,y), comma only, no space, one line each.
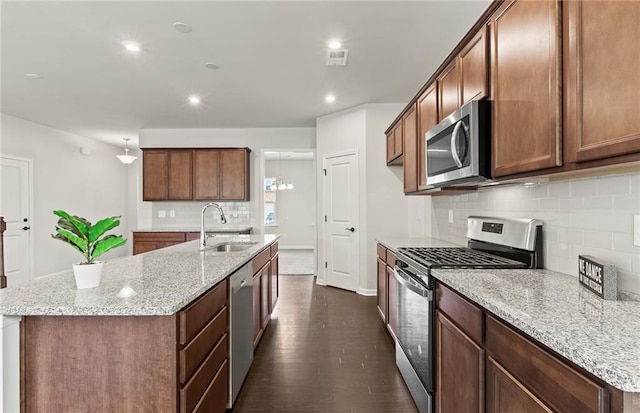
(454,144)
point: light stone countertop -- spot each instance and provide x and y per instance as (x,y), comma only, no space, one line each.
(164,281)
(218,229)
(602,337)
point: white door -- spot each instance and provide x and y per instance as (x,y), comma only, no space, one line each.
(15,205)
(341,214)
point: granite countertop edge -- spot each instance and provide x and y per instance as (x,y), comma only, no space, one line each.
(557,314)
(189,274)
(221,229)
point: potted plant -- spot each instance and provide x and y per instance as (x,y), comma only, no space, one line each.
(91,241)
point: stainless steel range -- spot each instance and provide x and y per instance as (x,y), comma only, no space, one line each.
(494,243)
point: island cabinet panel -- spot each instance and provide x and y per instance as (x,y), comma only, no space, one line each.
(155,175)
(474,62)
(427,119)
(449,90)
(197,315)
(602,78)
(214,398)
(99,364)
(257,308)
(274,280)
(560,386)
(526,86)
(206,176)
(410,150)
(194,353)
(265,285)
(197,386)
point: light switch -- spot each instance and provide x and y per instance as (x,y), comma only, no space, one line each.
(636,230)
(162,213)
(451,216)
(172,213)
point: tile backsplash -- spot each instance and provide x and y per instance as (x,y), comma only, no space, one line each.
(591,216)
(187,214)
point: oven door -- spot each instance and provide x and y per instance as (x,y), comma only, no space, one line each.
(415,337)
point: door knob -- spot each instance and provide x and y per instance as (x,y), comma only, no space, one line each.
(26,228)
(352,229)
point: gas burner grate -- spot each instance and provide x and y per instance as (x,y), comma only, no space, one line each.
(458,258)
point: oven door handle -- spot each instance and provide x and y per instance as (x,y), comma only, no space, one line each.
(406,281)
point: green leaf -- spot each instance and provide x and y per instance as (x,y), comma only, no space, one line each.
(73,240)
(102,226)
(105,244)
(68,222)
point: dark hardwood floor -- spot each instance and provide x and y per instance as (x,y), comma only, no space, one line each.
(325,350)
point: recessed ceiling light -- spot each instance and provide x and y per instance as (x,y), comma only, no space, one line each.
(330,98)
(194,100)
(182,27)
(133,47)
(32,76)
(334,44)
(211,65)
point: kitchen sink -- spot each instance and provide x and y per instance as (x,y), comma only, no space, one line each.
(231,246)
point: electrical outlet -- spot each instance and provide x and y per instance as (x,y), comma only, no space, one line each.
(162,213)
(451,216)
(172,213)
(636,230)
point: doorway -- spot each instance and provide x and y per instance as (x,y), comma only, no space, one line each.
(289,208)
(16,206)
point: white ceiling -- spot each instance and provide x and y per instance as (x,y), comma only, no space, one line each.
(271,56)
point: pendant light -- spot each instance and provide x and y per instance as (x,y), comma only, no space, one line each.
(279,183)
(126,158)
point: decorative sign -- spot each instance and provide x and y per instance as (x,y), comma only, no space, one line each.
(597,277)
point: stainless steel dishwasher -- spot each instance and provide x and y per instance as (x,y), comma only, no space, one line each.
(241,346)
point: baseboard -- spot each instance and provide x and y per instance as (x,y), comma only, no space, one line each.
(367,292)
(296,247)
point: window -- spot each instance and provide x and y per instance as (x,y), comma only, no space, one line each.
(269,202)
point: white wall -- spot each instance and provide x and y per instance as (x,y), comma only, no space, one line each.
(91,186)
(591,216)
(383,206)
(257,139)
(295,208)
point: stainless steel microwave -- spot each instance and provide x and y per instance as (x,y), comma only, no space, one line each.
(458,149)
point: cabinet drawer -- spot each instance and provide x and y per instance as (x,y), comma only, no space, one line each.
(192,355)
(274,249)
(260,260)
(465,314)
(194,317)
(382,252)
(196,387)
(560,386)
(215,398)
(391,258)
(159,236)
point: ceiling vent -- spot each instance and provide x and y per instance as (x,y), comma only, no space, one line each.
(337,57)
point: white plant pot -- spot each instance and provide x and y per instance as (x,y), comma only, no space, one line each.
(88,275)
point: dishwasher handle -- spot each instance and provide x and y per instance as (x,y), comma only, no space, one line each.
(407,281)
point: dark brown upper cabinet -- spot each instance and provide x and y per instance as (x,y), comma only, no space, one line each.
(427,119)
(196,174)
(602,79)
(410,149)
(449,90)
(394,145)
(526,87)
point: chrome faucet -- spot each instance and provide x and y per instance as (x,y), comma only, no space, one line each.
(203,234)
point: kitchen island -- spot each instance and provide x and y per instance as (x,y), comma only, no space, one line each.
(551,310)
(151,337)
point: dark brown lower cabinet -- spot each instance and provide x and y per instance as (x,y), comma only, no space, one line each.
(485,364)
(173,363)
(265,289)
(392,310)
(505,394)
(459,370)
(382,288)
